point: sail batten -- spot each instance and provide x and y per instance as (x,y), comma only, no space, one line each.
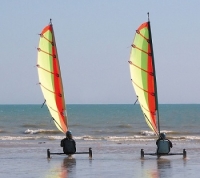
(153,94)
(146,52)
(50,78)
(142,72)
(150,73)
(45,52)
(47,70)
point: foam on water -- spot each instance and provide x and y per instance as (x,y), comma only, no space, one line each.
(39,131)
(17,138)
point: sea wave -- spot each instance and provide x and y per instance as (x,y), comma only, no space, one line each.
(130,132)
(39,131)
(142,138)
(170,132)
(134,138)
(192,137)
(147,133)
(17,138)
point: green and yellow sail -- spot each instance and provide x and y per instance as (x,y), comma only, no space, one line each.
(50,78)
(143,76)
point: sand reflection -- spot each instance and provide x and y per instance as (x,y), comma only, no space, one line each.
(163,168)
(156,168)
(68,168)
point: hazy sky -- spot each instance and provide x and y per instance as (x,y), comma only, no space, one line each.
(93,40)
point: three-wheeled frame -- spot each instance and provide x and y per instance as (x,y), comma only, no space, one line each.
(159,155)
(49,153)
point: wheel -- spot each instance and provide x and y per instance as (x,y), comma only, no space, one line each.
(48,153)
(90,152)
(142,153)
(184,153)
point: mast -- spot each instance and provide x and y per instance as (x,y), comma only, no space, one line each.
(154,71)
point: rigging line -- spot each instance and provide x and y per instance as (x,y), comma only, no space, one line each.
(151,93)
(59,94)
(141,50)
(43,103)
(56,74)
(150,73)
(57,124)
(40,50)
(150,124)
(136,100)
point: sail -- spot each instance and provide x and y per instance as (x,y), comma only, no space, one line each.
(143,77)
(50,78)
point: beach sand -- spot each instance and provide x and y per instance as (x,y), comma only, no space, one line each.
(110,159)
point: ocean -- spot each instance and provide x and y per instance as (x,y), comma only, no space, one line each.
(116,133)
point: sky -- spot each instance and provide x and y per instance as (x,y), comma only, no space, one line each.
(93,41)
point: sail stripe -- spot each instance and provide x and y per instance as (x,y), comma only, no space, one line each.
(143,26)
(58,87)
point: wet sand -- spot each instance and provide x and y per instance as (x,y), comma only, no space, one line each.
(109,160)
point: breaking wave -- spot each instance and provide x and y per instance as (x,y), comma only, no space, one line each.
(134,138)
(17,138)
(39,131)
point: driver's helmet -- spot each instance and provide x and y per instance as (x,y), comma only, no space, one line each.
(163,136)
(69,134)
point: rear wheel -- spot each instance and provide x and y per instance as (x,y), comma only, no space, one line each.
(48,153)
(184,153)
(90,152)
(142,153)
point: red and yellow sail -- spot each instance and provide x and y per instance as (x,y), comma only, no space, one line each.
(143,76)
(50,78)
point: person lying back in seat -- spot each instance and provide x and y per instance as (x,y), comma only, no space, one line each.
(68,144)
(163,144)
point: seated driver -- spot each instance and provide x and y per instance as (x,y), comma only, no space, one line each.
(163,144)
(68,144)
